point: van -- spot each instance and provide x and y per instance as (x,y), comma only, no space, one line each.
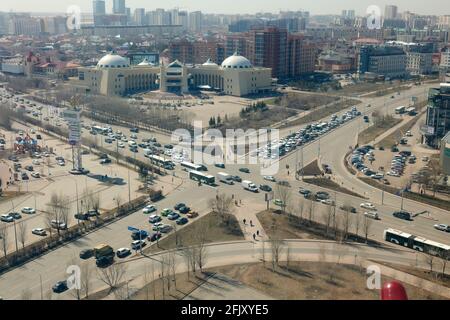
(103,250)
(372,215)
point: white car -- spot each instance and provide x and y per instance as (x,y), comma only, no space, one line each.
(36,162)
(372,215)
(6,218)
(123,252)
(35,175)
(39,232)
(442,227)
(121,145)
(28,210)
(149,209)
(138,244)
(269,178)
(367,205)
(327,202)
(393,174)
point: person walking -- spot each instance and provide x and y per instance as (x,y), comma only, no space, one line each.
(251,223)
(254,237)
(257,233)
(245,221)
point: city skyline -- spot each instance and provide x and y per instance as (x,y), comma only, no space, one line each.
(432,7)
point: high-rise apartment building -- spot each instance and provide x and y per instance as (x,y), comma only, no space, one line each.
(390,12)
(139,17)
(270,50)
(119,7)
(98,7)
(195,21)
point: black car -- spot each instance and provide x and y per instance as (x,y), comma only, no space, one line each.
(304,192)
(244,170)
(236,178)
(105,161)
(182,221)
(86,254)
(139,235)
(265,187)
(402,215)
(178,206)
(155,236)
(220,165)
(103,156)
(134,130)
(284,183)
(348,208)
(322,195)
(82,216)
(25,176)
(29,168)
(184,210)
(60,287)
(105,261)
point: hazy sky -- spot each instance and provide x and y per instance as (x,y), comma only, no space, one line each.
(236,6)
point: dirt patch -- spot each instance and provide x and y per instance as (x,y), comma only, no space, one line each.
(313,281)
(377,129)
(393,138)
(312,169)
(213,231)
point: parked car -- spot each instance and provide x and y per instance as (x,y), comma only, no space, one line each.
(270,178)
(28,210)
(184,210)
(60,287)
(39,232)
(173,216)
(155,236)
(178,206)
(6,218)
(322,195)
(182,221)
(192,215)
(166,212)
(86,254)
(154,219)
(105,161)
(123,252)
(244,170)
(149,209)
(237,178)
(139,235)
(138,244)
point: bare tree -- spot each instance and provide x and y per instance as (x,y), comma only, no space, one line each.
(86,279)
(328,218)
(276,247)
(429,260)
(283,193)
(223,206)
(173,267)
(4,240)
(187,257)
(58,212)
(118,202)
(357,223)
(113,275)
(346,223)
(22,233)
(367,224)
(444,256)
(201,251)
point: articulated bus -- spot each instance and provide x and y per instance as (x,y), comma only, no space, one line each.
(161,162)
(191,166)
(201,177)
(417,243)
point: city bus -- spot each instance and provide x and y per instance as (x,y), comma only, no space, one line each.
(417,243)
(201,177)
(191,166)
(100,130)
(161,162)
(400,110)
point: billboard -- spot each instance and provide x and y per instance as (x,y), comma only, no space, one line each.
(74,123)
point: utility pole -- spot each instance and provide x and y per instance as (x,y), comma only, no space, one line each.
(15,235)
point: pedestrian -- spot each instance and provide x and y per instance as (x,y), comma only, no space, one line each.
(251,223)
(254,237)
(257,233)
(245,221)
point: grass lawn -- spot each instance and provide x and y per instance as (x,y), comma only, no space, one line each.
(377,129)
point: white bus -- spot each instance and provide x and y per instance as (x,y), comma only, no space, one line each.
(161,162)
(400,110)
(191,166)
(417,243)
(201,177)
(225,178)
(100,130)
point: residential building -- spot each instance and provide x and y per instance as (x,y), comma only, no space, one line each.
(438,115)
(139,17)
(387,61)
(25,25)
(119,7)
(195,21)
(301,56)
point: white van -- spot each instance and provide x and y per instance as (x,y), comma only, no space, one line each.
(372,215)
